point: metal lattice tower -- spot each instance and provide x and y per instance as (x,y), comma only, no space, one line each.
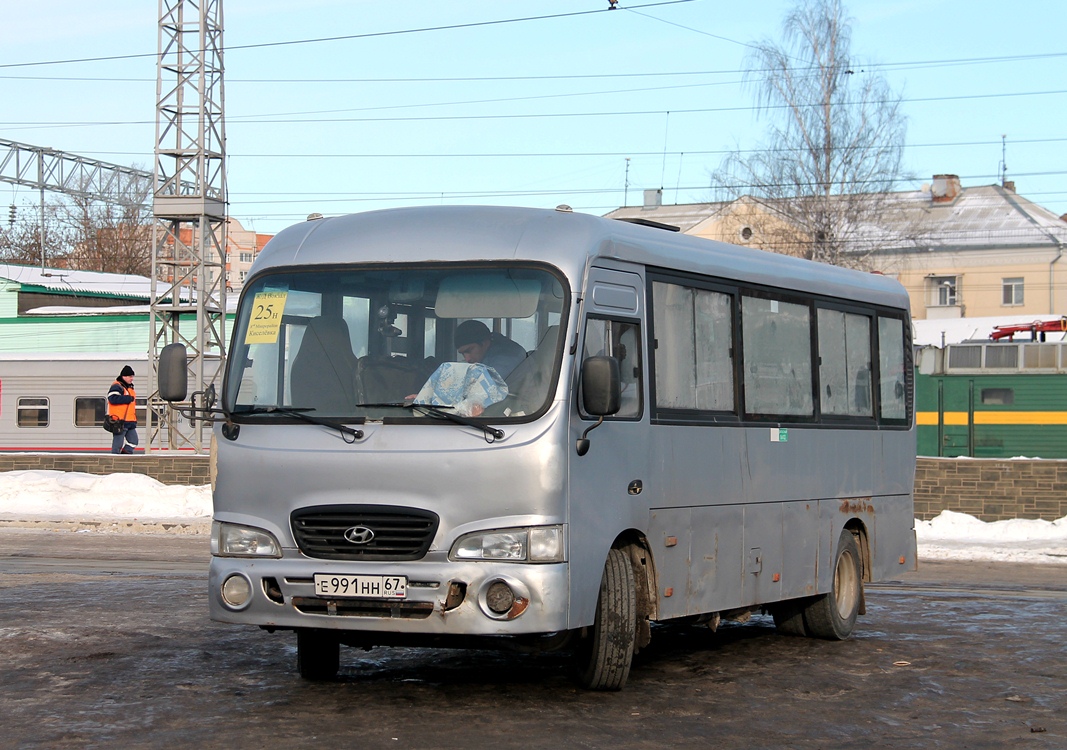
(189,236)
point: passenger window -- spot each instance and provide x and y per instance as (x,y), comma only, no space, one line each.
(845,364)
(777,345)
(694,348)
(32,412)
(89,411)
(623,341)
(891,368)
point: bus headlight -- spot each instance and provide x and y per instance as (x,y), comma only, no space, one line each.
(231,540)
(538,544)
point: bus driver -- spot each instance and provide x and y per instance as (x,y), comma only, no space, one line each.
(475,343)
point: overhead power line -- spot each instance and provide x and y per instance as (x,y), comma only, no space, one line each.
(296,120)
(346,37)
(873,66)
(333,155)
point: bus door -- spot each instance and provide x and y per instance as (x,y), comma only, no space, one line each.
(610,484)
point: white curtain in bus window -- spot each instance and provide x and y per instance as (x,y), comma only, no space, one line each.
(777,344)
(891,368)
(622,341)
(844,364)
(693,344)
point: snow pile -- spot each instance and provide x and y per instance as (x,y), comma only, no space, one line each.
(76,496)
(958,536)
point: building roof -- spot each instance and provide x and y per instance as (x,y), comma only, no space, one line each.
(984,216)
(69,282)
(977,217)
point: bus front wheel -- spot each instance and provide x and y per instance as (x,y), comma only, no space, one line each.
(318,654)
(604,657)
(833,615)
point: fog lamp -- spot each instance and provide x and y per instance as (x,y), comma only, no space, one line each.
(236,591)
(499,598)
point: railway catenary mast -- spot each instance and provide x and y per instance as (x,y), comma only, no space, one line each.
(190,202)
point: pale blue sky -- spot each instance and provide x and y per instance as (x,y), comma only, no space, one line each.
(555,107)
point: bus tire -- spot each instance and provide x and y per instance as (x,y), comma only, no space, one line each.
(789,617)
(833,615)
(605,656)
(318,654)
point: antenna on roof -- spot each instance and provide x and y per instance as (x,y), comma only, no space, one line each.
(1003,167)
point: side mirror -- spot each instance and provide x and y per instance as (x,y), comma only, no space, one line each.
(601,386)
(601,393)
(173,373)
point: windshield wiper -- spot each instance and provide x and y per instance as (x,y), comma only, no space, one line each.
(346,431)
(441,412)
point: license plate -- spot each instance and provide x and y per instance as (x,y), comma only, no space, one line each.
(367,587)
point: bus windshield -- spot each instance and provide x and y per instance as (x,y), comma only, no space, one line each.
(360,343)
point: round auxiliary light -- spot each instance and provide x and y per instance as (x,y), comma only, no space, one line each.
(236,592)
(500,598)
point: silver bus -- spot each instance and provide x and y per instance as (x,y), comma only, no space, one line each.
(692,431)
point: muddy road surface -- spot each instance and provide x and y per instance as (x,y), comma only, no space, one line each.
(105,642)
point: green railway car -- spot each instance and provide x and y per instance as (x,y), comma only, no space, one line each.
(992,400)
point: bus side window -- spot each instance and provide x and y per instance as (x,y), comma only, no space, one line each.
(621,340)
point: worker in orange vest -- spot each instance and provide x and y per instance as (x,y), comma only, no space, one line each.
(122,405)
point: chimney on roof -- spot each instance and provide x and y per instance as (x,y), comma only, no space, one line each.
(1009,185)
(945,189)
(653,198)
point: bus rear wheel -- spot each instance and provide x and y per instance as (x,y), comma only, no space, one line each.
(833,615)
(318,654)
(605,656)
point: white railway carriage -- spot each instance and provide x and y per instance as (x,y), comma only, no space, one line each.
(56,402)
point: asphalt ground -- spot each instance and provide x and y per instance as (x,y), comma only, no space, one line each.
(105,642)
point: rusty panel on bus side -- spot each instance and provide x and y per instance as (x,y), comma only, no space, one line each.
(715,581)
(800,563)
(762,553)
(669,536)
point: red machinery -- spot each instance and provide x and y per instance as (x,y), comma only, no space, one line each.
(1038,327)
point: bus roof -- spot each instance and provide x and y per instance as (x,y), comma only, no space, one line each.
(567,240)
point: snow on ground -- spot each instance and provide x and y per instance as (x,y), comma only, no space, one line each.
(74,496)
(958,536)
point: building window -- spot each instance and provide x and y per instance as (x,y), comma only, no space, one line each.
(32,412)
(943,291)
(246,257)
(1013,292)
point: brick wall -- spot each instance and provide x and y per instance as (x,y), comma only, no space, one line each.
(991,489)
(186,469)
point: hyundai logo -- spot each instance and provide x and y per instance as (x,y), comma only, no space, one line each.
(359,535)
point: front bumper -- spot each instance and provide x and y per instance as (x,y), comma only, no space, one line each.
(443,597)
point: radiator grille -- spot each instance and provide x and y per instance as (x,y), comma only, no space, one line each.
(399,533)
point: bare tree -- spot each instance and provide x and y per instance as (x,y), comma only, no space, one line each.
(20,238)
(821,186)
(112,235)
(88,231)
